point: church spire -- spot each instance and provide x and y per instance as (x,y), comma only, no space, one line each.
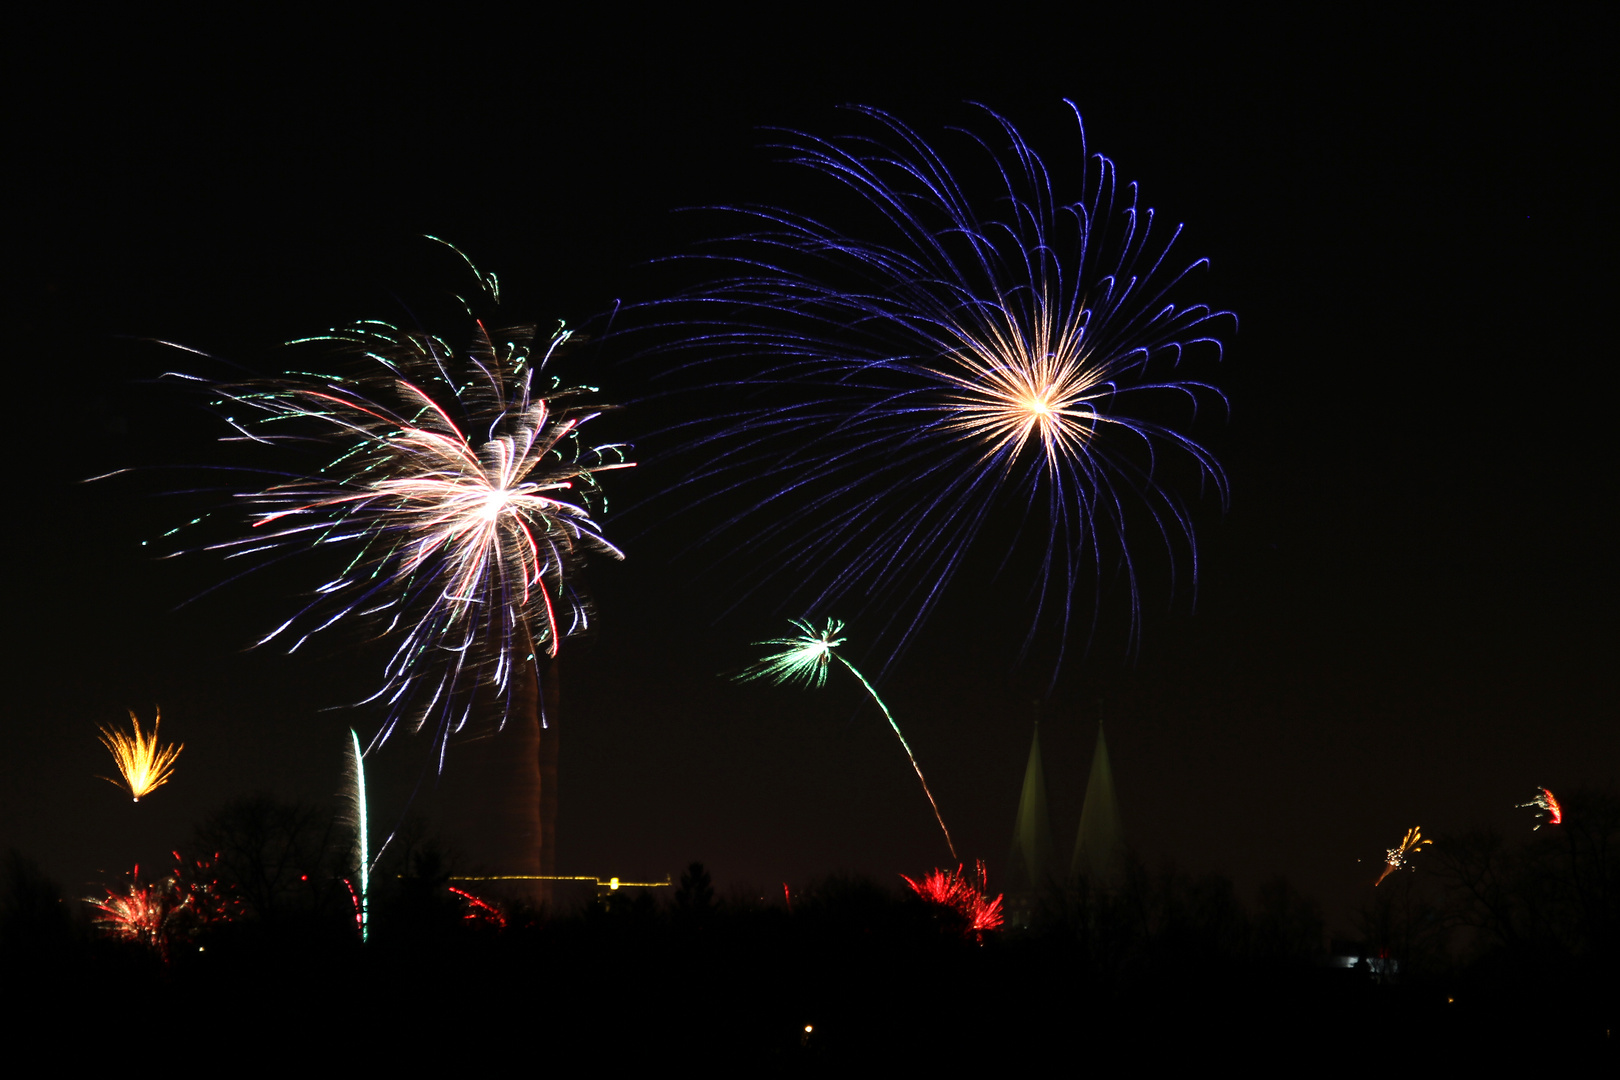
(1099,849)
(1032,858)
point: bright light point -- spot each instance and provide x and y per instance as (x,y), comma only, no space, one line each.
(1036,406)
(808,1028)
(494,503)
(613,883)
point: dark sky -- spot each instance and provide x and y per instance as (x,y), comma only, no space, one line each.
(1406,616)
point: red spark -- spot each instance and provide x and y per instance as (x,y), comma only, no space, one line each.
(480,911)
(359,912)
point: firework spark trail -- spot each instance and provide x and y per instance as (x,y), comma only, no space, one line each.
(1549,806)
(1395,858)
(455,489)
(805,659)
(362,903)
(143,765)
(952,362)
(479,910)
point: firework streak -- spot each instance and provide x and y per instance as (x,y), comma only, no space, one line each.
(362,843)
(805,659)
(480,911)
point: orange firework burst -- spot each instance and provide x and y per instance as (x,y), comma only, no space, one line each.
(143,764)
(1396,857)
(956,891)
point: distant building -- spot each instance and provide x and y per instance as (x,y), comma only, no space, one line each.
(1033,860)
(1099,847)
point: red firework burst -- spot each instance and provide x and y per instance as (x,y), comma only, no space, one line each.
(160,914)
(965,896)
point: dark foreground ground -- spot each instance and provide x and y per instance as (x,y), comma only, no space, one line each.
(854,974)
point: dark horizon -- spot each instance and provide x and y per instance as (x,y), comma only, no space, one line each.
(1404,618)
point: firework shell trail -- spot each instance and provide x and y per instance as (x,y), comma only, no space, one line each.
(805,658)
(1549,810)
(971,351)
(143,764)
(1396,857)
(452,490)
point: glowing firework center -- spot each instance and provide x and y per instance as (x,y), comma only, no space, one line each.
(1006,398)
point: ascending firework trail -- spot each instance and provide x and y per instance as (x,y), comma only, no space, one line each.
(805,658)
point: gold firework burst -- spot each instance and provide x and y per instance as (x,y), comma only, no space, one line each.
(143,764)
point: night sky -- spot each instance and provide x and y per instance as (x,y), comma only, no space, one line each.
(1405,617)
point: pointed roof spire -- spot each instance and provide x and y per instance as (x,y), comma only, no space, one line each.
(1099,849)
(1032,858)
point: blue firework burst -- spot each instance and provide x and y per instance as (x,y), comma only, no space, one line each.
(972,347)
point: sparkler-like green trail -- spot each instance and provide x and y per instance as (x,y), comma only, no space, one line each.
(807,658)
(907,747)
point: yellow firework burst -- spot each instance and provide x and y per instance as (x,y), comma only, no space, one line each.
(143,764)
(1396,857)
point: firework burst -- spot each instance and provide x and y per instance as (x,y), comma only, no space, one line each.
(140,913)
(952,362)
(454,493)
(1395,858)
(162,913)
(143,765)
(805,658)
(1549,810)
(968,897)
